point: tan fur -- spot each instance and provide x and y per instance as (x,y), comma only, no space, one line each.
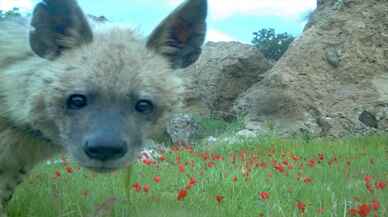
(116,65)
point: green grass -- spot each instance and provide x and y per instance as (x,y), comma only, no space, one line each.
(336,186)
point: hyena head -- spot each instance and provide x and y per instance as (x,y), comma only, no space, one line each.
(103,93)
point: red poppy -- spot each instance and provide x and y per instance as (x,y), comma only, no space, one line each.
(181,168)
(264,195)
(364,210)
(210,164)
(57,173)
(311,163)
(219,198)
(157,179)
(162,158)
(301,206)
(182,194)
(69,169)
(234,178)
(295,157)
(307,180)
(279,168)
(148,161)
(146,188)
(375,204)
(136,186)
(380,185)
(367,179)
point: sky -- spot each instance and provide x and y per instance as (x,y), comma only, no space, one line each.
(229,20)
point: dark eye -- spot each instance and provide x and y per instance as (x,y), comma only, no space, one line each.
(144,106)
(76,102)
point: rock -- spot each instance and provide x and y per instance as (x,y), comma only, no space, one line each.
(222,73)
(335,72)
(182,129)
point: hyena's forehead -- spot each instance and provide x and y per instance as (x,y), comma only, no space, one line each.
(118,62)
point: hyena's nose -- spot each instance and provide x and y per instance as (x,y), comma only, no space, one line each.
(105,149)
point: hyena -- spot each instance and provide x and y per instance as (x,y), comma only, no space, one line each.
(94,94)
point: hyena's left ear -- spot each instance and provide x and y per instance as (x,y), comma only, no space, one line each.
(180,36)
(58,25)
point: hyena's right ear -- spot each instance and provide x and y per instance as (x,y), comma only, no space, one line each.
(58,25)
(180,36)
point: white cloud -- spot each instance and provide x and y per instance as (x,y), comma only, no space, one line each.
(215,35)
(222,9)
(23,5)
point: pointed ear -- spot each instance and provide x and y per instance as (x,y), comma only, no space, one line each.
(180,36)
(58,25)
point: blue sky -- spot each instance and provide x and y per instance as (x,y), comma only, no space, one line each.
(229,20)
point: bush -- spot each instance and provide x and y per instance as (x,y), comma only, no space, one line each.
(272,45)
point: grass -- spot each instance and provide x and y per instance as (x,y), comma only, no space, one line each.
(324,176)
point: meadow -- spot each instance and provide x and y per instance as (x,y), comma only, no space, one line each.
(257,177)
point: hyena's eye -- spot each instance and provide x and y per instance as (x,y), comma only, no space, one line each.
(144,106)
(76,102)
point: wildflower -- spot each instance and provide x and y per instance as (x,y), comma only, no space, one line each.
(364,210)
(311,163)
(210,164)
(148,162)
(279,168)
(146,188)
(192,182)
(157,179)
(264,195)
(367,179)
(375,204)
(321,156)
(162,158)
(57,173)
(295,157)
(182,194)
(69,169)
(307,180)
(353,211)
(219,198)
(301,206)
(380,185)
(181,168)
(234,178)
(136,186)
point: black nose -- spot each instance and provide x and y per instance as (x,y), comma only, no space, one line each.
(103,149)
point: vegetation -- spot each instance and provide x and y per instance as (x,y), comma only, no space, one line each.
(264,176)
(272,45)
(15,12)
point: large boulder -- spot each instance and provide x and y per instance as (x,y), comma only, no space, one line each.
(333,80)
(222,73)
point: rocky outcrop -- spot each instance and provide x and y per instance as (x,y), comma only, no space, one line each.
(333,80)
(223,72)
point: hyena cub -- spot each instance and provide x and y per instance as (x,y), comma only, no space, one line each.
(97,96)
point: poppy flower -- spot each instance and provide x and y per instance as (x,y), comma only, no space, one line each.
(380,185)
(136,186)
(264,195)
(146,188)
(219,198)
(157,179)
(364,210)
(181,168)
(182,194)
(148,162)
(69,169)
(57,173)
(234,178)
(353,211)
(301,206)
(375,204)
